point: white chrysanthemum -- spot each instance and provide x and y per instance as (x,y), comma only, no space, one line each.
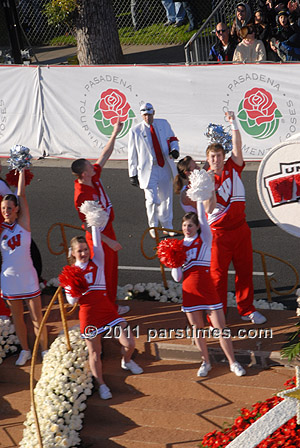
(95,214)
(55,394)
(201,185)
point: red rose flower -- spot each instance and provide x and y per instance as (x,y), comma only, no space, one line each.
(113,104)
(259,105)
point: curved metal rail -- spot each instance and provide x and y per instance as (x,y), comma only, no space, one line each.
(58,295)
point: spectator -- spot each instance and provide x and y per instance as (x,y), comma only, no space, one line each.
(139,13)
(190,7)
(243,16)
(262,28)
(284,30)
(224,48)
(288,50)
(175,12)
(294,10)
(250,49)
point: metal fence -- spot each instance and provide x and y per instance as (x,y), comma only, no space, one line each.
(139,22)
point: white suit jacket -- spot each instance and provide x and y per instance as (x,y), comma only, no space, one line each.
(140,158)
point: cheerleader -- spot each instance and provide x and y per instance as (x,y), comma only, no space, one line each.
(97,314)
(19,280)
(198,292)
(185,167)
(4,189)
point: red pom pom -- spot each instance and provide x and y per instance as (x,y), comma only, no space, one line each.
(12,177)
(171,253)
(73,278)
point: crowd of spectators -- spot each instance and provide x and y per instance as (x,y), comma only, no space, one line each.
(268,32)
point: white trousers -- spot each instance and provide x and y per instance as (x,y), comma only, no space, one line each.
(159,197)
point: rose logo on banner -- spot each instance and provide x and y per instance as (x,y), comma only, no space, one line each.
(113,104)
(258,113)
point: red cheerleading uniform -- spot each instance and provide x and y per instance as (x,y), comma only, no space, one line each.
(198,290)
(231,238)
(96,312)
(84,193)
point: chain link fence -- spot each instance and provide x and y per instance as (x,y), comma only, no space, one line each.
(139,22)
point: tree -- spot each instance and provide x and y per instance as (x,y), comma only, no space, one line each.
(95,27)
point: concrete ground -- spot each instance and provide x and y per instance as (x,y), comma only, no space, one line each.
(133,54)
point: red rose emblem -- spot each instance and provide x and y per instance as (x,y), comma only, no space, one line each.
(259,105)
(113,104)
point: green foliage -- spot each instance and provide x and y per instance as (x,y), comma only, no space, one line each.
(291,349)
(60,11)
(60,41)
(155,34)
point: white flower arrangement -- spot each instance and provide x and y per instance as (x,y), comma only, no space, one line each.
(156,291)
(258,304)
(8,338)
(60,395)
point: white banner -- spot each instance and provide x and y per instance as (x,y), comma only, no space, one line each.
(20,109)
(79,105)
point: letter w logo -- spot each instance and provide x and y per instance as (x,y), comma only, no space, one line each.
(284,189)
(14,242)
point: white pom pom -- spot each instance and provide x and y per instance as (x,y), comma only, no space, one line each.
(201,186)
(95,215)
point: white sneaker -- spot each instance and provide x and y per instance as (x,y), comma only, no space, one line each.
(255,317)
(152,233)
(237,369)
(24,356)
(104,392)
(123,309)
(44,352)
(132,366)
(172,233)
(204,369)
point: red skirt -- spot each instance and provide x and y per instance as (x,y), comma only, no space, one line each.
(198,290)
(96,314)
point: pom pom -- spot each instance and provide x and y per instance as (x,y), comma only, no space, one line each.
(201,185)
(171,253)
(19,158)
(12,177)
(217,134)
(95,214)
(72,278)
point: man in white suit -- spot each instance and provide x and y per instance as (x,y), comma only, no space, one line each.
(152,149)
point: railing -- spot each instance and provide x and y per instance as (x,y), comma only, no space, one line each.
(263,255)
(58,295)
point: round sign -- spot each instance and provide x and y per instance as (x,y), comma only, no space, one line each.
(278,186)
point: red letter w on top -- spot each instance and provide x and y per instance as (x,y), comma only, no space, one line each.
(14,242)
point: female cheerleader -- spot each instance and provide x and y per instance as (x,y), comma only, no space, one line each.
(185,167)
(4,189)
(198,292)
(19,280)
(97,314)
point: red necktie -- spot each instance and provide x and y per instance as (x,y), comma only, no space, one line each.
(157,148)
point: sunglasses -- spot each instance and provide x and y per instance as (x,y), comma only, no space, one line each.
(221,31)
